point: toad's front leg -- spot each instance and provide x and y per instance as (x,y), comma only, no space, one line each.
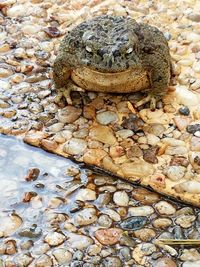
(63,83)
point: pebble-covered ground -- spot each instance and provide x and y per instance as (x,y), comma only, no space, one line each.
(162,148)
(55,214)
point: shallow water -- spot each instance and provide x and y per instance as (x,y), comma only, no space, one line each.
(15,159)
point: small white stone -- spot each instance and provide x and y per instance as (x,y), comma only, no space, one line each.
(4,85)
(141,211)
(175,173)
(81,242)
(125,133)
(75,146)
(121,198)
(54,239)
(191,264)
(56,127)
(152,139)
(185,221)
(165,208)
(173,141)
(112,214)
(62,255)
(186,97)
(85,217)
(86,195)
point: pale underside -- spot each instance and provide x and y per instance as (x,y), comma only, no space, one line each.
(131,80)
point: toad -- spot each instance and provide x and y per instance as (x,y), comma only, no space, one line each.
(113,54)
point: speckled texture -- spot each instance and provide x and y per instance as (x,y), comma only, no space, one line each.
(112,44)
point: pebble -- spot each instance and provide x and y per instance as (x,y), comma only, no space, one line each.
(141,251)
(85,217)
(112,261)
(192,187)
(173,150)
(104,221)
(43,260)
(109,236)
(133,223)
(194,17)
(77,241)
(195,143)
(106,117)
(182,122)
(144,196)
(141,211)
(193,128)
(184,111)
(186,97)
(86,194)
(145,234)
(103,134)
(121,198)
(162,223)
(137,168)
(75,146)
(156,129)
(54,239)
(190,255)
(124,133)
(62,256)
(185,221)
(175,173)
(10,224)
(165,208)
(68,114)
(4,85)
(165,262)
(191,264)
(112,214)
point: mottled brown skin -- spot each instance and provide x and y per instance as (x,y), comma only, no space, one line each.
(112,45)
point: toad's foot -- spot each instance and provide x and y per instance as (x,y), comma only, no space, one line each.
(150,98)
(66,91)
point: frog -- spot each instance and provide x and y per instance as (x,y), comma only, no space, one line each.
(113,54)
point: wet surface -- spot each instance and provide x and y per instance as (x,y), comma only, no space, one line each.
(51,210)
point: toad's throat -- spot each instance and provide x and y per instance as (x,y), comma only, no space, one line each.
(127,81)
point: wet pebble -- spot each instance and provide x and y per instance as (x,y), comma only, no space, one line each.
(43,261)
(68,114)
(86,194)
(144,196)
(102,134)
(75,146)
(184,111)
(141,211)
(109,236)
(162,223)
(165,208)
(185,221)
(193,128)
(54,239)
(191,264)
(104,221)
(190,255)
(77,241)
(85,217)
(145,234)
(62,255)
(106,117)
(175,173)
(133,223)
(112,261)
(121,198)
(165,262)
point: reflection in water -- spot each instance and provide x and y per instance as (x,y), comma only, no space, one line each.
(15,159)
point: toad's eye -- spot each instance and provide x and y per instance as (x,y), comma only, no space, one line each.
(129,50)
(89,49)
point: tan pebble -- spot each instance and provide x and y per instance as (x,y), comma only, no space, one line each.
(165,262)
(145,234)
(196,85)
(139,168)
(103,134)
(144,196)
(162,223)
(109,236)
(116,151)
(182,122)
(196,112)
(49,145)
(185,62)
(34,138)
(94,156)
(4,48)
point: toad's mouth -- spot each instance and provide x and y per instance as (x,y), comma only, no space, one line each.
(130,80)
